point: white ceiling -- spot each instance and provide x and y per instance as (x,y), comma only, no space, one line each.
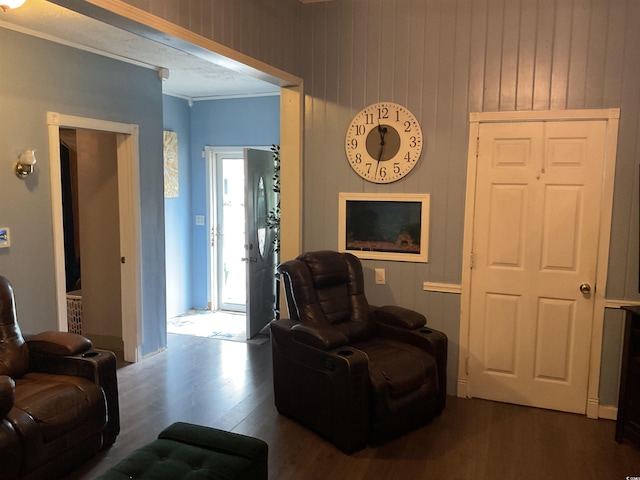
(190,77)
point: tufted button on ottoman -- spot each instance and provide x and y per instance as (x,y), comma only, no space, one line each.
(194,452)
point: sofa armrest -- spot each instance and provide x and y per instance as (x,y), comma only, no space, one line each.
(7,395)
(398,316)
(58,343)
(11,451)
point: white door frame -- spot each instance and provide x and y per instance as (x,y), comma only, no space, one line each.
(129,212)
(475,119)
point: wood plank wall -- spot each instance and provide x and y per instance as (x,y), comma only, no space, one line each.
(267,30)
(442,59)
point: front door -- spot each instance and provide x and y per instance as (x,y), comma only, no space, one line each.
(535,249)
(260,255)
(228,234)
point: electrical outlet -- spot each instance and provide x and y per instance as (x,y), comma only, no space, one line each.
(380,278)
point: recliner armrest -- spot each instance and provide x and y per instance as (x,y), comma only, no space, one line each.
(58,343)
(323,338)
(326,390)
(7,395)
(398,317)
(318,337)
(96,365)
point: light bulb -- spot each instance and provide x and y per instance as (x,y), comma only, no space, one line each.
(9,4)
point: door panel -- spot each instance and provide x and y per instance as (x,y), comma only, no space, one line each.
(259,248)
(535,241)
(99,234)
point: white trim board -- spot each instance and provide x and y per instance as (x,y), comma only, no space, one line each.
(129,211)
(442,287)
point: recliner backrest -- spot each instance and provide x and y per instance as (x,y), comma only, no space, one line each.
(327,288)
(14,352)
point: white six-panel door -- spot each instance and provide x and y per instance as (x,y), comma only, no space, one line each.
(535,251)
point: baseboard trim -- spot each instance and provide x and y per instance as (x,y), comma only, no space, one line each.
(154,353)
(462,388)
(608,412)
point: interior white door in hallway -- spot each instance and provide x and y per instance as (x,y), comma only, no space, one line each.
(538,202)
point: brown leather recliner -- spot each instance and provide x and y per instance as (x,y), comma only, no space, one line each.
(58,399)
(353,373)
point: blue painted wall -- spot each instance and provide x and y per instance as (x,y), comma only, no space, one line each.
(177,211)
(40,76)
(240,122)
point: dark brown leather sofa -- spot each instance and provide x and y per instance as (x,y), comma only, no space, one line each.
(353,373)
(58,399)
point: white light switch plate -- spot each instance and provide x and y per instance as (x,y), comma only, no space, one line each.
(380,277)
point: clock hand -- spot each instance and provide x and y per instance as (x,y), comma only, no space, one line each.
(383,132)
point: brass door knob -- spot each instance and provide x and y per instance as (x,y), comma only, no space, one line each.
(585,288)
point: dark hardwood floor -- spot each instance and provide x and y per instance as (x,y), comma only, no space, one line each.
(227,385)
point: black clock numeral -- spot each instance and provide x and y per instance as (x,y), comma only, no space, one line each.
(407,126)
(358,159)
(383,113)
(353,143)
(396,168)
(413,141)
(368,165)
(368,119)
(407,157)
(383,172)
(360,129)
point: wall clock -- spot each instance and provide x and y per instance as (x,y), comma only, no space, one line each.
(383,142)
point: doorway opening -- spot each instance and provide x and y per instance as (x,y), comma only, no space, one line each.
(243,250)
(127,234)
(229,291)
(224,317)
(91,225)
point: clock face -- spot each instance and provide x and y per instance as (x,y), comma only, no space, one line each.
(383,142)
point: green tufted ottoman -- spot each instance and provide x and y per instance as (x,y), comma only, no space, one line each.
(194,452)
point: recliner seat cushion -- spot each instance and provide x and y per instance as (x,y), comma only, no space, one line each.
(400,375)
(398,368)
(60,403)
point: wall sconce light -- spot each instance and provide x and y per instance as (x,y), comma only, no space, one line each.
(9,4)
(25,164)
